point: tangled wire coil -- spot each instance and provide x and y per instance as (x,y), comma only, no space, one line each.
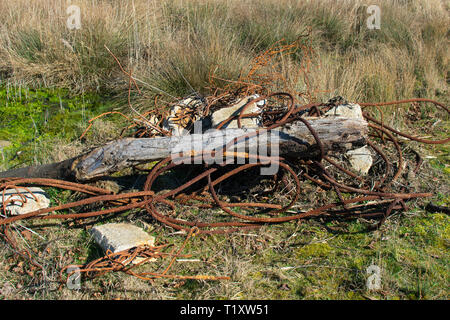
(370,200)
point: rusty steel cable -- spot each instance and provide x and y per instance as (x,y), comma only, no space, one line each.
(127,260)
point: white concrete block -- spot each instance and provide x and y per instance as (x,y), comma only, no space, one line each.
(120,236)
(23,201)
(351,110)
(360,159)
(234,110)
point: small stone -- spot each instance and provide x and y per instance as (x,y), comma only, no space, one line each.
(350,110)
(234,110)
(121,236)
(18,206)
(360,159)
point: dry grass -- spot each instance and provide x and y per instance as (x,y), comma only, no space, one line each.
(174,45)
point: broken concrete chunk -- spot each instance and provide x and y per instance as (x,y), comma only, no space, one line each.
(220,115)
(23,201)
(183,115)
(360,159)
(121,236)
(350,110)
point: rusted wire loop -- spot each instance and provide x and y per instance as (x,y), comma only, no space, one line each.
(368,117)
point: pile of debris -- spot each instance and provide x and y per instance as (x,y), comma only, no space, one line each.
(307,135)
(219,140)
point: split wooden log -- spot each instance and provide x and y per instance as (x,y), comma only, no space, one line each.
(293,141)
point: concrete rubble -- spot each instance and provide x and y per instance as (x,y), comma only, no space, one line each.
(350,110)
(224,113)
(182,116)
(23,201)
(360,159)
(121,236)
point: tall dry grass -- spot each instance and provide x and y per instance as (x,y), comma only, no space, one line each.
(174,45)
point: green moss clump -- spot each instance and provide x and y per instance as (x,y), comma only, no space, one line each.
(28,116)
(314,250)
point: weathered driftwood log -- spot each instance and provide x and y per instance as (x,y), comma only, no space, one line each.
(293,140)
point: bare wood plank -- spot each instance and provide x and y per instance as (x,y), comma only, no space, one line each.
(293,140)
